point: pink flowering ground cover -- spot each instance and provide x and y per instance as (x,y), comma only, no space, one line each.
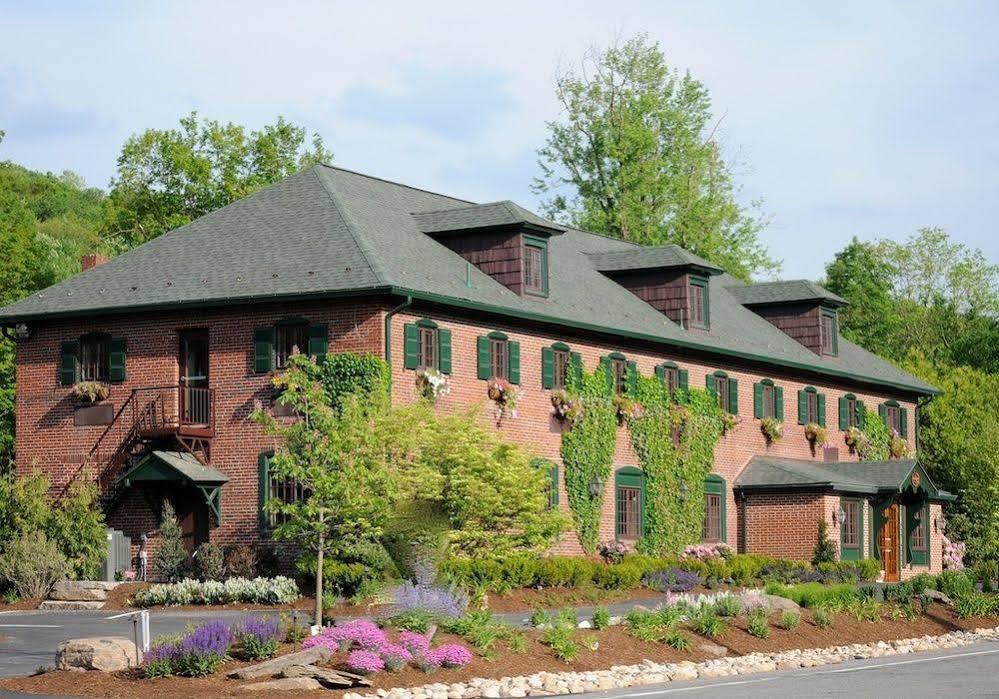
(370,650)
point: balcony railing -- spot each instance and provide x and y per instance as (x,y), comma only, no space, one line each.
(175,408)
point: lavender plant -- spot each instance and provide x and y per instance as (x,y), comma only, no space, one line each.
(673,580)
(202,651)
(259,637)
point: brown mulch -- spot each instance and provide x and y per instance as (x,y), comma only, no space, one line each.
(20,605)
(528,599)
(616,647)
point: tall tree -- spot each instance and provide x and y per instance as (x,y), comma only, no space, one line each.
(167,178)
(637,150)
(860,275)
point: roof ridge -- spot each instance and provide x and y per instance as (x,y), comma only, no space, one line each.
(393,182)
(362,245)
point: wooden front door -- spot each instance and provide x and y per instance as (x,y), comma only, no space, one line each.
(888,542)
(195,406)
(192,514)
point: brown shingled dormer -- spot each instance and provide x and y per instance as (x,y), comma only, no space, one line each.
(801,309)
(507,242)
(667,277)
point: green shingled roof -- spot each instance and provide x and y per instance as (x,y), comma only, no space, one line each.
(863,477)
(325,232)
(658,257)
(790,291)
(477,216)
(173,466)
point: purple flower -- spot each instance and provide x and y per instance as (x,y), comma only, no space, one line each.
(211,638)
(157,654)
(263,629)
(449,655)
(365,662)
(446,602)
(395,656)
(415,643)
(673,580)
(360,633)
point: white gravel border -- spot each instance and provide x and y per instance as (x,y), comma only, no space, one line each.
(649,672)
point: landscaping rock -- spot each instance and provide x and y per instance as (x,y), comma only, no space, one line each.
(712,649)
(781,604)
(270,668)
(69,605)
(938,596)
(285,684)
(331,679)
(81,590)
(101,654)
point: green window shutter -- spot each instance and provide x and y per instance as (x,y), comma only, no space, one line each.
(68,363)
(822,409)
(117,363)
(733,396)
(444,350)
(263,349)
(632,378)
(779,403)
(757,400)
(883,412)
(684,380)
(318,341)
(605,367)
(485,358)
(411,346)
(547,367)
(852,553)
(553,489)
(513,354)
(661,373)
(903,423)
(802,407)
(709,384)
(715,485)
(263,489)
(576,361)
(844,413)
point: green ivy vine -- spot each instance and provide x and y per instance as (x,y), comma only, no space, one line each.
(588,451)
(876,439)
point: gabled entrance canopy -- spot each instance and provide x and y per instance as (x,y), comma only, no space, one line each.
(180,468)
(883,478)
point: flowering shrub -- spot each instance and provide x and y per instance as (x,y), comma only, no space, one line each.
(772,428)
(395,656)
(505,394)
(260,636)
(432,383)
(361,634)
(953,554)
(691,604)
(707,552)
(431,600)
(673,580)
(613,551)
(449,655)
(415,643)
(158,660)
(202,651)
(365,662)
(279,590)
(753,601)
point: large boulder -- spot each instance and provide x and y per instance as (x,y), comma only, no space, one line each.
(274,666)
(81,590)
(781,604)
(109,654)
(69,605)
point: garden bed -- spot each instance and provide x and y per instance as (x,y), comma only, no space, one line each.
(616,647)
(123,597)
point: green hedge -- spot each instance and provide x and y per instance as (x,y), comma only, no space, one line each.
(811,595)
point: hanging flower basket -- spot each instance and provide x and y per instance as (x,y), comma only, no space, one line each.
(728,422)
(816,434)
(567,409)
(897,446)
(772,428)
(90,392)
(626,408)
(505,394)
(432,384)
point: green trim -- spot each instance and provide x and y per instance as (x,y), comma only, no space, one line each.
(719,351)
(319,342)
(541,244)
(914,556)
(497,335)
(852,553)
(69,363)
(263,490)
(263,349)
(630,477)
(834,314)
(427,323)
(117,360)
(715,485)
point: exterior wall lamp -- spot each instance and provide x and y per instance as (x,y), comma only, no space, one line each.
(683,490)
(838,515)
(596,487)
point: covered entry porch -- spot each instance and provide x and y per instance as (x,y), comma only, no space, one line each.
(194,490)
(886,510)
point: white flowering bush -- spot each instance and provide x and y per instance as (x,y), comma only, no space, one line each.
(691,604)
(279,590)
(432,383)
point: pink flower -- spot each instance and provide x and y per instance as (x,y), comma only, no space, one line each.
(365,662)
(361,633)
(394,656)
(449,655)
(415,643)
(129,575)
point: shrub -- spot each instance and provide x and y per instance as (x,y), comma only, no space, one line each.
(987,573)
(865,610)
(268,562)
(673,580)
(622,576)
(435,601)
(565,571)
(822,617)
(923,581)
(360,634)
(293,631)
(540,617)
(650,626)
(279,590)
(365,662)
(707,623)
(953,554)
(744,568)
(975,604)
(415,643)
(260,636)
(898,592)
(955,583)
(759,624)
(240,561)
(32,565)
(395,656)
(170,559)
(601,618)
(341,578)
(825,549)
(209,563)
(480,628)
(201,652)
(613,551)
(789,620)
(449,655)
(812,595)
(677,639)
(706,552)
(728,606)
(158,660)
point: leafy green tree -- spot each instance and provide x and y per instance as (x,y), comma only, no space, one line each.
(171,558)
(637,150)
(825,549)
(860,275)
(169,177)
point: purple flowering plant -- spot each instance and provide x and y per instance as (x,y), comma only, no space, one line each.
(422,596)
(259,637)
(395,656)
(449,655)
(673,580)
(361,634)
(202,651)
(365,662)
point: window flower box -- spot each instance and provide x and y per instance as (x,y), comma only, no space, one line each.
(432,384)
(90,415)
(506,396)
(90,392)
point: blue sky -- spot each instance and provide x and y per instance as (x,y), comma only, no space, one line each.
(866,119)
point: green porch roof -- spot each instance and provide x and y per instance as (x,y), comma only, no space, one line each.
(327,232)
(173,466)
(764,473)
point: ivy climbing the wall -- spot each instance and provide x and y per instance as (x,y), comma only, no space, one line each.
(588,451)
(675,443)
(875,438)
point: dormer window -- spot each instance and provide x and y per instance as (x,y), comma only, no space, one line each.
(697,292)
(535,266)
(830,332)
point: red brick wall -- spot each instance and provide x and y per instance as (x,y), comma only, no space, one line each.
(782,524)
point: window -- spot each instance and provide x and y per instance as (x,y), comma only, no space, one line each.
(289,339)
(629,495)
(851,524)
(550,469)
(721,391)
(619,375)
(697,290)
(851,412)
(769,401)
(535,266)
(811,407)
(714,509)
(725,390)
(671,379)
(917,537)
(95,357)
(278,488)
(560,368)
(556,363)
(428,349)
(498,359)
(893,418)
(830,332)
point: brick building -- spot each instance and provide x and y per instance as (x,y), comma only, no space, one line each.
(186,331)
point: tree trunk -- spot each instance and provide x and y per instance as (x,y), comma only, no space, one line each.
(319,579)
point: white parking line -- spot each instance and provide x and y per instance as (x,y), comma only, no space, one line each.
(30,626)
(761,680)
